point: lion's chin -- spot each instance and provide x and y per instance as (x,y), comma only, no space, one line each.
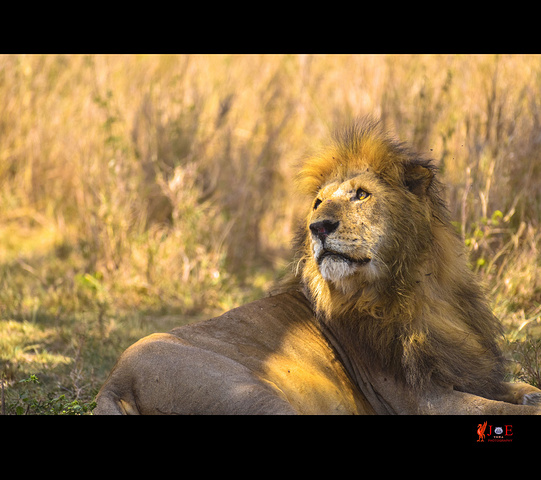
(335,267)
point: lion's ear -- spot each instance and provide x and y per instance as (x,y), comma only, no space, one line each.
(418,178)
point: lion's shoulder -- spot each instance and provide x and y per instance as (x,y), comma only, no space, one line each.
(280,340)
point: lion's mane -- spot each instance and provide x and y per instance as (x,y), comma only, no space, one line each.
(426,319)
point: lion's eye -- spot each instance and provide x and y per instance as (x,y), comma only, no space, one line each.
(317,203)
(361,194)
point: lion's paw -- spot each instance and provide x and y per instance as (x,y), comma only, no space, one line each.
(533,399)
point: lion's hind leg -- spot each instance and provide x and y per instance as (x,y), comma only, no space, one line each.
(163,374)
(109,404)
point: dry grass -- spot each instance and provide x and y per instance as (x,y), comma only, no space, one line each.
(149,184)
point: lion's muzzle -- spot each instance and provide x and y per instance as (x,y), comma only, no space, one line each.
(323,229)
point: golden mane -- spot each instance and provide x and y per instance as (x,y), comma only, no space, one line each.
(360,145)
(427,319)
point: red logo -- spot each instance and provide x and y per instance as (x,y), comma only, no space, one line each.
(492,433)
(481,431)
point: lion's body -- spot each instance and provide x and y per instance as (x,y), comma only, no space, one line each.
(381,315)
(267,357)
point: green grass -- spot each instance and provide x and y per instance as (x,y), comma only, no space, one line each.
(70,357)
(61,330)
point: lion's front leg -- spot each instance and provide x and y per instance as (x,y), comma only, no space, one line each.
(389,396)
(520,394)
(459,403)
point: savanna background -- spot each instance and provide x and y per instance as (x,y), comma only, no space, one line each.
(142,192)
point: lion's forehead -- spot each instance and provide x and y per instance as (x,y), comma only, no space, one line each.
(341,186)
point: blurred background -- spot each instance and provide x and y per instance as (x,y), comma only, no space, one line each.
(141,192)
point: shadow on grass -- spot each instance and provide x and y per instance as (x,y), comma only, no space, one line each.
(55,364)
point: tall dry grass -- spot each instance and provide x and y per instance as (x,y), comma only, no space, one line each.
(167,180)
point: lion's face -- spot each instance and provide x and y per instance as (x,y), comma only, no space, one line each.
(363,230)
(346,231)
(365,243)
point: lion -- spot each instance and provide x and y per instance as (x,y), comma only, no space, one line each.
(379,315)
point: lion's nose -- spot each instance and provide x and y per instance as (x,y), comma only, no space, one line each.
(323,229)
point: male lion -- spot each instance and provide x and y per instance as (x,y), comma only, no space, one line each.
(380,315)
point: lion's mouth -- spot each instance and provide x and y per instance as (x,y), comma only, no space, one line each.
(341,256)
